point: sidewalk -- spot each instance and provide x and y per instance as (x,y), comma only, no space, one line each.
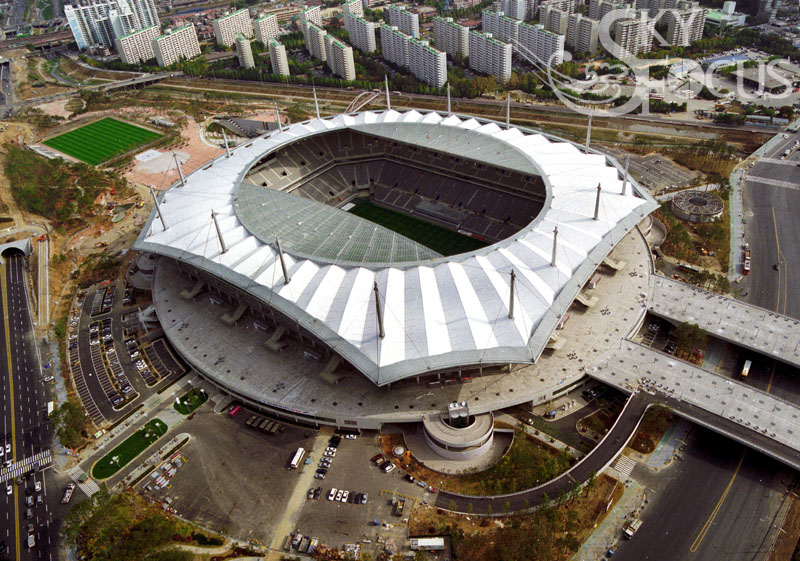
(609,531)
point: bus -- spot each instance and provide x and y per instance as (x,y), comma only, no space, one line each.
(298,457)
(746,368)
(236,410)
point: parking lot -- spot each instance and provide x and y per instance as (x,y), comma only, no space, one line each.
(336,523)
(235,480)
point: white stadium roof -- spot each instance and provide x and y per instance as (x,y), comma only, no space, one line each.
(441,313)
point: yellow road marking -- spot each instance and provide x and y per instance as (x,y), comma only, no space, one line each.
(771,374)
(6,307)
(778,245)
(704,530)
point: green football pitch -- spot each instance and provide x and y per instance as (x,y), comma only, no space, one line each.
(100,141)
(440,240)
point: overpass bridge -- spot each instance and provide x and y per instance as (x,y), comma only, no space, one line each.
(135,82)
(755,418)
(750,327)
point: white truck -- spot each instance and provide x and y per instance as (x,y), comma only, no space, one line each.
(632,527)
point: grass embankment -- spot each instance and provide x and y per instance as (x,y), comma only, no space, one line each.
(131,447)
(655,423)
(190,401)
(63,192)
(107,527)
(441,240)
(551,533)
(102,140)
(526,464)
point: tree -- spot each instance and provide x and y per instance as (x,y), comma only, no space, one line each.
(452,504)
(690,335)
(70,423)
(470,508)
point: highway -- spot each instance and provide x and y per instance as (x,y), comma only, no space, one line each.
(24,403)
(772,199)
(719,502)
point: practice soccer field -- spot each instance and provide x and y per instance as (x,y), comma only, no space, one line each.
(100,141)
(440,240)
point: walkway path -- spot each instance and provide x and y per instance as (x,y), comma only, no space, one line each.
(608,532)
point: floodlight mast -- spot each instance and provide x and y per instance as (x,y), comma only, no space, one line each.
(219,232)
(378,312)
(286,277)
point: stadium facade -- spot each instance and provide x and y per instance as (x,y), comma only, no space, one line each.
(267,222)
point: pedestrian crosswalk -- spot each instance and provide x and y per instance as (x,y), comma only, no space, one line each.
(42,459)
(624,465)
(88,485)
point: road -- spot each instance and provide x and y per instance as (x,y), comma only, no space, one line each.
(24,399)
(772,199)
(719,502)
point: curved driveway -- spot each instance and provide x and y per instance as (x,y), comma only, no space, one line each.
(594,462)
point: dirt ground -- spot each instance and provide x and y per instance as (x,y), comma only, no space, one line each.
(197,153)
(790,536)
(23,88)
(591,508)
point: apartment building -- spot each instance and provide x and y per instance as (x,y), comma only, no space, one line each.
(315,41)
(487,55)
(137,47)
(685,22)
(395,45)
(428,64)
(100,22)
(582,34)
(175,45)
(633,35)
(266,28)
(405,21)
(278,58)
(353,8)
(310,15)
(244,52)
(537,44)
(451,37)
(554,19)
(500,26)
(340,58)
(362,33)
(229,26)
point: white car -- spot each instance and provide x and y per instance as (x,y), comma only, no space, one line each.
(8,448)
(2,451)
(339,494)
(332,494)
(9,489)
(344,496)
(38,486)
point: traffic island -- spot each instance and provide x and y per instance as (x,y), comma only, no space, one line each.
(131,447)
(190,401)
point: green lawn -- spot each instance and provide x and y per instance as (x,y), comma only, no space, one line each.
(190,401)
(441,240)
(102,140)
(131,447)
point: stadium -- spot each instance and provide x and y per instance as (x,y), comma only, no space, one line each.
(336,270)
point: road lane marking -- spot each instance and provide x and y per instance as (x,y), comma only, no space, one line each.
(778,245)
(4,287)
(704,530)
